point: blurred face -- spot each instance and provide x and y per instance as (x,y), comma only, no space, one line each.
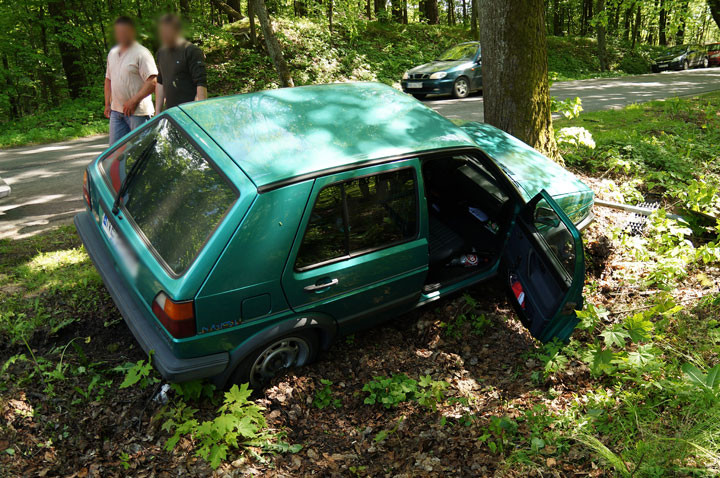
(124,34)
(169,34)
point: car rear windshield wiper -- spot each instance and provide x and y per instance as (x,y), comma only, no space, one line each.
(134,169)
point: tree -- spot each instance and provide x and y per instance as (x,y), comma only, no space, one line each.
(515,71)
(601,29)
(715,10)
(71,56)
(271,42)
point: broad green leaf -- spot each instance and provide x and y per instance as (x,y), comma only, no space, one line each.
(217,454)
(615,336)
(713,377)
(639,329)
(694,375)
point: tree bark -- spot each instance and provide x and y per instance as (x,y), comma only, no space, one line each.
(253,33)
(70,55)
(715,10)
(474,19)
(330,14)
(431,12)
(556,19)
(272,43)
(636,25)
(515,71)
(451,12)
(235,5)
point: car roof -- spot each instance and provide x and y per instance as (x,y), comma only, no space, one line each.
(291,133)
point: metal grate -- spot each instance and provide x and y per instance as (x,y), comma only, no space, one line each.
(636,223)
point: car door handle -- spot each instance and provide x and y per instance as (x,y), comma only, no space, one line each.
(324,285)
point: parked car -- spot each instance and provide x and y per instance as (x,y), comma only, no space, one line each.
(239,236)
(4,189)
(458,71)
(713,53)
(681,57)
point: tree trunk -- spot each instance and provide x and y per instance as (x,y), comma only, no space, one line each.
(330,14)
(185,9)
(682,24)
(515,71)
(662,24)
(232,13)
(715,10)
(368,10)
(431,12)
(451,12)
(636,25)
(251,15)
(601,28)
(556,19)
(272,44)
(70,55)
(235,5)
(474,19)
(464,11)
(396,10)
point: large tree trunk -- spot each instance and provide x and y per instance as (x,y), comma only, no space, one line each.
(557,19)
(232,13)
(235,5)
(601,28)
(272,44)
(70,55)
(636,25)
(475,19)
(515,71)
(451,12)
(715,10)
(431,12)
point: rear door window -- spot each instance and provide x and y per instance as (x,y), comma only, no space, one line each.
(177,198)
(360,215)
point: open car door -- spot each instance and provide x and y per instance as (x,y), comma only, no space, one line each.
(544,267)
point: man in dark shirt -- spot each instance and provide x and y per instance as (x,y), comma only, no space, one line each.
(182,76)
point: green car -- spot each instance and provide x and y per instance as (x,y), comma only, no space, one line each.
(240,236)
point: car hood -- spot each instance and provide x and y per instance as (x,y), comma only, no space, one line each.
(531,171)
(435,66)
(668,57)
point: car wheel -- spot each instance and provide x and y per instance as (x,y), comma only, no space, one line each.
(705,62)
(461,88)
(293,350)
(419,96)
(686,65)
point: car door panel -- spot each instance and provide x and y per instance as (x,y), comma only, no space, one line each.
(544,269)
(360,288)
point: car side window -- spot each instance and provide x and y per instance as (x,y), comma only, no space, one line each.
(360,215)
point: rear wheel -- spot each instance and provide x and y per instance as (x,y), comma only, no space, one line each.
(419,96)
(293,350)
(461,88)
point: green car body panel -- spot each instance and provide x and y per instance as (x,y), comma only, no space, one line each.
(278,149)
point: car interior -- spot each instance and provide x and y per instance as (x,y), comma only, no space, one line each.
(469,213)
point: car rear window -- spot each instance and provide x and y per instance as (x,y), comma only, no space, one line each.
(177,198)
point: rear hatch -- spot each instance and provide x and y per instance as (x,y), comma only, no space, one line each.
(183,202)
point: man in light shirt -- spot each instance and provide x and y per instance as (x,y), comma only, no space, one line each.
(130,79)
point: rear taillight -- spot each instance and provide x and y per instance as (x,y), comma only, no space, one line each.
(178,318)
(86,190)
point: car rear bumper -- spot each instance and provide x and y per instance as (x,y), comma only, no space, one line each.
(665,66)
(429,87)
(141,324)
(714,61)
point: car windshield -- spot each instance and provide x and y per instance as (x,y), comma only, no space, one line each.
(176,197)
(459,52)
(676,50)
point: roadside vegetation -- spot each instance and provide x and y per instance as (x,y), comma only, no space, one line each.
(456,389)
(371,51)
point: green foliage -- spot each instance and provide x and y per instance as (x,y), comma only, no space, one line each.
(499,433)
(238,424)
(324,396)
(140,373)
(392,391)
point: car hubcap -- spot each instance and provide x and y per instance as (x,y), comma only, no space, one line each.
(285,353)
(461,88)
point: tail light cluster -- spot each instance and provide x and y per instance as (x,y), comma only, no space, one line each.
(86,190)
(178,318)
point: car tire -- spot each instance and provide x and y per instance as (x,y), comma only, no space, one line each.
(686,65)
(289,351)
(419,96)
(461,87)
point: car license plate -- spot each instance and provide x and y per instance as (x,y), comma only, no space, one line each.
(126,256)
(662,65)
(415,84)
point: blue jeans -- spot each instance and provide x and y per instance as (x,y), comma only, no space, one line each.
(120,125)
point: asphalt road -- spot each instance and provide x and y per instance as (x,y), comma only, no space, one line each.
(46,180)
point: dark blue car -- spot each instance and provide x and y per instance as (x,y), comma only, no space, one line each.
(458,71)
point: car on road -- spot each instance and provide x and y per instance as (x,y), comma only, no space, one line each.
(458,71)
(681,57)
(239,236)
(4,189)
(713,53)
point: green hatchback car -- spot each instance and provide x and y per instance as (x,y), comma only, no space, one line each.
(240,236)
